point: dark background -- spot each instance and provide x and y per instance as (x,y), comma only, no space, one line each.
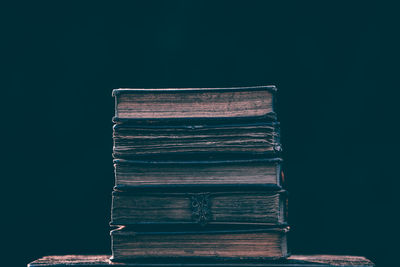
(335,66)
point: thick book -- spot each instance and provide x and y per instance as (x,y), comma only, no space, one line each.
(195,103)
(292,261)
(144,140)
(227,207)
(262,172)
(217,243)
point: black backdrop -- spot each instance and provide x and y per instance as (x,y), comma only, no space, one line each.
(332,64)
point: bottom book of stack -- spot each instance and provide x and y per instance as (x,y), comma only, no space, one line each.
(211,242)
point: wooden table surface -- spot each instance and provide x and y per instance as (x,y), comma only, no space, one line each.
(294,260)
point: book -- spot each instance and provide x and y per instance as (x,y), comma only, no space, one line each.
(218,207)
(195,103)
(292,261)
(216,243)
(143,140)
(255,172)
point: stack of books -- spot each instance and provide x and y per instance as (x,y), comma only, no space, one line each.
(198,183)
(197,175)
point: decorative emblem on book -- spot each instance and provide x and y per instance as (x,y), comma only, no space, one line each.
(200,205)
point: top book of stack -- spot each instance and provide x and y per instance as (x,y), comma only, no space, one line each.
(195,104)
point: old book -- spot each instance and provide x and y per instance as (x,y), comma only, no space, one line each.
(226,207)
(216,243)
(197,103)
(138,140)
(263,172)
(292,261)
